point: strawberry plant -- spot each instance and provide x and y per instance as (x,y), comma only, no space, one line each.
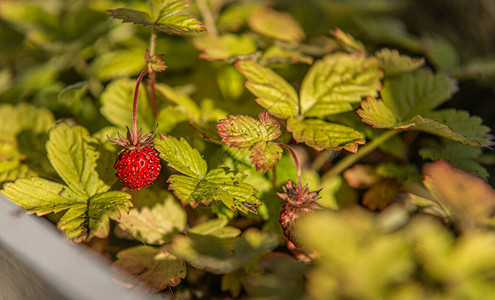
(280,150)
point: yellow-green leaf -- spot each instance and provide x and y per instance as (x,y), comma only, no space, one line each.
(224,46)
(321,135)
(274,93)
(117,101)
(72,153)
(181,156)
(392,63)
(274,24)
(416,93)
(157,224)
(336,82)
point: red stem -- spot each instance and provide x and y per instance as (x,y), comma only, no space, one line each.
(298,168)
(134,106)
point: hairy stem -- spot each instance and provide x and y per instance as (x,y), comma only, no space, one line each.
(351,159)
(207,17)
(134,106)
(154,104)
(298,168)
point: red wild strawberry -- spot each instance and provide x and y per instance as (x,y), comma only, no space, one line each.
(297,202)
(138,164)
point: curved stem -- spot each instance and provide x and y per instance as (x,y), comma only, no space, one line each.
(298,168)
(351,159)
(134,106)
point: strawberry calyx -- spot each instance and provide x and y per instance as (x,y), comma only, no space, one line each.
(299,197)
(134,142)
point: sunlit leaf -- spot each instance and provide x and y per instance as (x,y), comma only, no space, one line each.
(375,113)
(154,268)
(181,156)
(73,155)
(372,262)
(245,132)
(348,41)
(273,92)
(169,19)
(119,63)
(155,225)
(336,82)
(117,100)
(197,185)
(321,135)
(278,25)
(392,63)
(224,46)
(278,54)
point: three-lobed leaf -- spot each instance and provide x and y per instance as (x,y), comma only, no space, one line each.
(89,206)
(336,82)
(157,224)
(245,132)
(416,93)
(196,184)
(166,16)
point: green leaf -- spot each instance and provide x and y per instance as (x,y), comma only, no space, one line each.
(181,156)
(154,268)
(245,132)
(91,218)
(348,41)
(336,82)
(456,125)
(273,92)
(196,185)
(131,16)
(155,225)
(321,135)
(215,227)
(14,119)
(224,46)
(119,63)
(460,156)
(86,217)
(41,196)
(72,153)
(278,25)
(219,185)
(233,193)
(280,54)
(392,63)
(117,101)
(178,24)
(22,141)
(169,19)
(374,112)
(416,93)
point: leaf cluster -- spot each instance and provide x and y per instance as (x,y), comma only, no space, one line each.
(231,84)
